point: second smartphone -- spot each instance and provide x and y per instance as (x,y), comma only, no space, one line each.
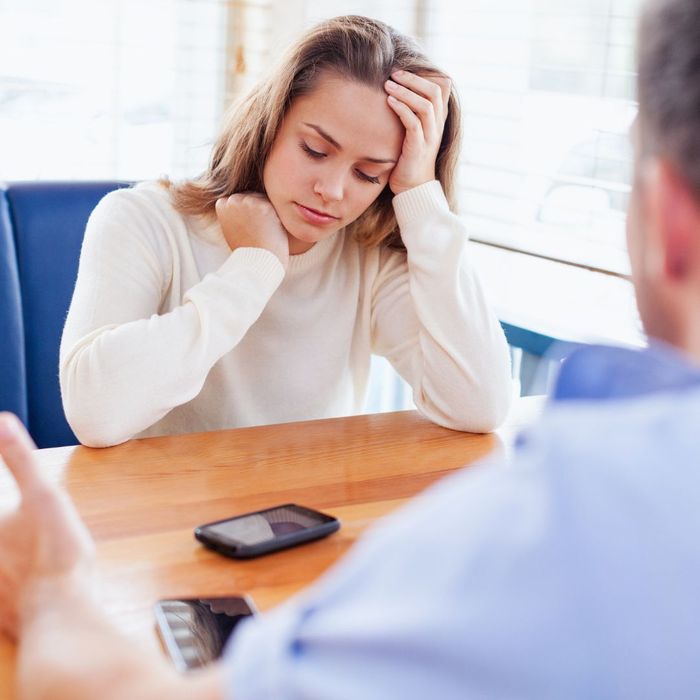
(194,631)
(263,531)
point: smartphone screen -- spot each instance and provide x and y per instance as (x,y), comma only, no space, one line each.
(266,530)
(194,631)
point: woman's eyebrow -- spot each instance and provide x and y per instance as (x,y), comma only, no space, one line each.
(325,135)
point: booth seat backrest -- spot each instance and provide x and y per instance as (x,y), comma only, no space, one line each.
(48,221)
(535,356)
(13,388)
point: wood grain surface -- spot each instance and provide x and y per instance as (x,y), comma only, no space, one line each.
(141,501)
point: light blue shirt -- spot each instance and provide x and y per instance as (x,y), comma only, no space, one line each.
(573,572)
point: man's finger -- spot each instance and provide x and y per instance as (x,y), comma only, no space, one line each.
(16,449)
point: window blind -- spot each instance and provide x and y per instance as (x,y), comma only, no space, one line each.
(109,88)
(134,90)
(547,90)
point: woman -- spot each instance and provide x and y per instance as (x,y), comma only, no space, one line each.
(320,234)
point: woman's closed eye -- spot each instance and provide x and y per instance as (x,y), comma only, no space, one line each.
(318,155)
(367,178)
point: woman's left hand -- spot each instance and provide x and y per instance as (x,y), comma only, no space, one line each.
(421,105)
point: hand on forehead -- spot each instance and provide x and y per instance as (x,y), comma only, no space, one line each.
(428,86)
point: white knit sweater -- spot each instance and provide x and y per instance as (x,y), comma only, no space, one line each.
(171,332)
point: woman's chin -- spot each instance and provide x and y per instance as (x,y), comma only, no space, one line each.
(301,239)
(300,243)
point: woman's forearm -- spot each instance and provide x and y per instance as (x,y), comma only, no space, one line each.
(436,325)
(120,379)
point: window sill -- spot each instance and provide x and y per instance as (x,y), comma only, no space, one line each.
(559,300)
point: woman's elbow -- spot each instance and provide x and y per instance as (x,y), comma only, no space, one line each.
(478,408)
(91,424)
(491,410)
(92,431)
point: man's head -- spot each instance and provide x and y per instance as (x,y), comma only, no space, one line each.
(663,229)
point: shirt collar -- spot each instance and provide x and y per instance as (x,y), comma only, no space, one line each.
(600,372)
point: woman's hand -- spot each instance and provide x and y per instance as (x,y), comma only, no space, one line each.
(43,542)
(421,105)
(248,220)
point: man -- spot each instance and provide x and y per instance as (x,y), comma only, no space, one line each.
(572,573)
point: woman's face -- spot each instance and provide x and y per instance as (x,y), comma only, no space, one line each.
(331,159)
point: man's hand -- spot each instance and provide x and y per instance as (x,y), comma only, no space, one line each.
(43,543)
(68,650)
(421,105)
(248,220)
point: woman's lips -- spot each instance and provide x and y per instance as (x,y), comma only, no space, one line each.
(313,216)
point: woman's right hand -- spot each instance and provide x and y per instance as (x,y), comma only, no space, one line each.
(248,220)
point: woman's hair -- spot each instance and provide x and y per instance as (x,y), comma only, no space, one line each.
(355,48)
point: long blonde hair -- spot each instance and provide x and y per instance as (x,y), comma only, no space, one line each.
(355,48)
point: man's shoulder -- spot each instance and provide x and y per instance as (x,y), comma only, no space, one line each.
(599,372)
(582,465)
(594,470)
(613,403)
(660,422)
(584,448)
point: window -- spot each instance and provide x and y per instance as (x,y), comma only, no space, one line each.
(125,89)
(134,90)
(110,89)
(547,89)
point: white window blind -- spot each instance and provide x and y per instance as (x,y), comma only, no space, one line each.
(403,15)
(131,89)
(135,90)
(109,88)
(547,89)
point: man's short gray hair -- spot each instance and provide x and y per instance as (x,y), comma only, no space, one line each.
(668,84)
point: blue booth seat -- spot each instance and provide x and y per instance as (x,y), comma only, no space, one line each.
(536,357)
(48,220)
(13,388)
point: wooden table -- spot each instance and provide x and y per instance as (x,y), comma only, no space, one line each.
(141,501)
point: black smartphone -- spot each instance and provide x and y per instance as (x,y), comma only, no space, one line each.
(263,531)
(194,631)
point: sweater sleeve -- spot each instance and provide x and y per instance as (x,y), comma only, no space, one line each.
(124,365)
(431,320)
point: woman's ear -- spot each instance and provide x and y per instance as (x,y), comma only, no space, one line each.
(673,223)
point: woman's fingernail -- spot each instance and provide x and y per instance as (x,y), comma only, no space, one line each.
(390,85)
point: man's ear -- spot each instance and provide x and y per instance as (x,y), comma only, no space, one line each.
(674,222)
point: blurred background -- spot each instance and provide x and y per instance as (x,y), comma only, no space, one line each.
(135,89)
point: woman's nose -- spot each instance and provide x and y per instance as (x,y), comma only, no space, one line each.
(330,186)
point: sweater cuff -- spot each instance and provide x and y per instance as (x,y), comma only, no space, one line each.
(419,201)
(263,261)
